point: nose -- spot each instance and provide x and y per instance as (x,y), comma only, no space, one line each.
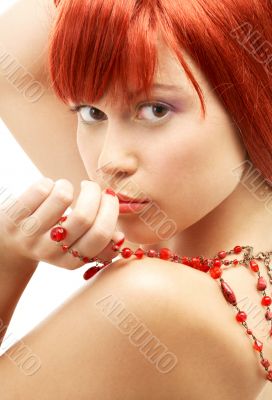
(117,159)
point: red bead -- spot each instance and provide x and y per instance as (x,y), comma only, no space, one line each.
(254,266)
(62,219)
(120,242)
(64,247)
(185,260)
(175,258)
(266,301)
(249,331)
(91,272)
(228,293)
(235,262)
(165,253)
(269,376)
(139,253)
(222,254)
(204,267)
(195,262)
(86,260)
(217,263)
(237,249)
(241,316)
(215,272)
(126,252)
(268,315)
(151,253)
(75,253)
(58,234)
(261,285)
(226,262)
(270,332)
(265,363)
(258,345)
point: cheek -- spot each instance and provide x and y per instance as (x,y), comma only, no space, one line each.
(197,167)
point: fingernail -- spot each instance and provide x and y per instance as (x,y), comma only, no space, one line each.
(110,191)
(119,244)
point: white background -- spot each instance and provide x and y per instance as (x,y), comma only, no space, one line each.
(50,286)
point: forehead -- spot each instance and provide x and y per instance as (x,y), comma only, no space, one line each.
(170,75)
(169,78)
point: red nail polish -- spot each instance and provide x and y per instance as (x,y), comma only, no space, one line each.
(119,244)
(110,191)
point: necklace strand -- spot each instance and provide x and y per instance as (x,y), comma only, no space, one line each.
(214,266)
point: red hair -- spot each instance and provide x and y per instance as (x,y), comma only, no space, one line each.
(99,46)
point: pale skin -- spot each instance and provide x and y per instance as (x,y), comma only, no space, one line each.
(205,346)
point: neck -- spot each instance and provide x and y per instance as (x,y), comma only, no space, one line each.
(244,218)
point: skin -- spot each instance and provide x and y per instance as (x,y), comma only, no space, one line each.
(92,336)
(192,180)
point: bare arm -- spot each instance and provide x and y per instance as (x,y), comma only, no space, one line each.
(13,282)
(40,123)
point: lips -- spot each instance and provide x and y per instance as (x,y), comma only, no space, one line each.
(125,199)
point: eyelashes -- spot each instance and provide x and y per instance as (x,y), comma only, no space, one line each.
(151,113)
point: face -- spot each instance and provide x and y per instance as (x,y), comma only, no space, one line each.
(163,149)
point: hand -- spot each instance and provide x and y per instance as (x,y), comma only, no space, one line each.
(90,225)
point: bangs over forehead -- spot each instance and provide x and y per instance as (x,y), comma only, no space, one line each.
(100,47)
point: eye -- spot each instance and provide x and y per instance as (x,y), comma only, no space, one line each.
(89,115)
(153,112)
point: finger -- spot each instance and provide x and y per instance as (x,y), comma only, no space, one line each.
(32,198)
(55,205)
(83,216)
(98,237)
(80,219)
(108,253)
(68,261)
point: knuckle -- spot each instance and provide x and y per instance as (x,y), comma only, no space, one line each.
(82,219)
(102,233)
(63,197)
(43,188)
(63,191)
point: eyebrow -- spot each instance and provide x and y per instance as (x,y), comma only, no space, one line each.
(156,85)
(161,86)
(167,87)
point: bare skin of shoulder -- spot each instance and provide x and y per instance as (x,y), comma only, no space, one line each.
(47,132)
(82,352)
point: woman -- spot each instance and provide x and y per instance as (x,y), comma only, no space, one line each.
(174,107)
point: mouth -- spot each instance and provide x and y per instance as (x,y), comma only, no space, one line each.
(129,205)
(129,200)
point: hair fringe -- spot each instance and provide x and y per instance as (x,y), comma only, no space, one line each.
(98,47)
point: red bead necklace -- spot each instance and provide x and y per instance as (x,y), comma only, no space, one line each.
(214,266)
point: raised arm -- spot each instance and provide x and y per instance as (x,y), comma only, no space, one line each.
(40,123)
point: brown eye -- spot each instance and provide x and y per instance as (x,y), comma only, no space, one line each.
(90,115)
(159,111)
(153,112)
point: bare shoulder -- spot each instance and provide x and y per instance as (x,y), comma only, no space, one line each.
(184,311)
(150,329)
